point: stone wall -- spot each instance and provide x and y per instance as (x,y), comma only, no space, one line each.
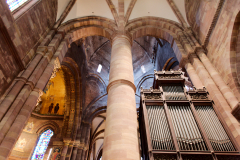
(219,46)
(33,26)
(200,15)
(28,139)
(8,66)
(26,33)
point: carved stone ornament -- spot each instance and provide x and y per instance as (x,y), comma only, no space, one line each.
(152,96)
(169,76)
(198,96)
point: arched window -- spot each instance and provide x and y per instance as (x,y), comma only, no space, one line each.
(14,4)
(42,145)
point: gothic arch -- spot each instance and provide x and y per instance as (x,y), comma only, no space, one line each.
(89,26)
(73,91)
(48,125)
(162,28)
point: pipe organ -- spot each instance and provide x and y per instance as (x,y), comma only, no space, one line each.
(180,124)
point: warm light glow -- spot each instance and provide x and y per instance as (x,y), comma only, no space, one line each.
(99,68)
(14,4)
(49,154)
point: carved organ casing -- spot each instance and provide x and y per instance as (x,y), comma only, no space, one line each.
(176,123)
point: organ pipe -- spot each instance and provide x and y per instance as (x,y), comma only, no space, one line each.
(181,124)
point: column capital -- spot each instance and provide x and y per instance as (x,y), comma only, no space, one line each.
(121,34)
(67,141)
(184,61)
(199,50)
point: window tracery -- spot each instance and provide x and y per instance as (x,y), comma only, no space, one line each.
(42,145)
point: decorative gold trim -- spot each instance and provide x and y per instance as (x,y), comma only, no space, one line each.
(127,82)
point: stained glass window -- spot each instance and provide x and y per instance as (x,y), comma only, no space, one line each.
(14,4)
(42,145)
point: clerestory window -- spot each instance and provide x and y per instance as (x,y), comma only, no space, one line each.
(42,145)
(14,4)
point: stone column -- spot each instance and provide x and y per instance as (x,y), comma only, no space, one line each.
(217,96)
(193,75)
(74,153)
(64,150)
(17,87)
(226,91)
(69,152)
(121,135)
(79,153)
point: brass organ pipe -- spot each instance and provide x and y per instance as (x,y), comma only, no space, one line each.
(209,133)
(196,130)
(177,132)
(158,129)
(150,124)
(223,132)
(191,131)
(220,128)
(220,141)
(154,127)
(181,129)
(219,133)
(166,131)
(213,131)
(170,92)
(201,141)
(185,141)
(186,127)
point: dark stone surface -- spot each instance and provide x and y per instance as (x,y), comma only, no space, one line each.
(8,67)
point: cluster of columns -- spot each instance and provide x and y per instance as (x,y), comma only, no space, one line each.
(21,98)
(121,135)
(121,131)
(202,73)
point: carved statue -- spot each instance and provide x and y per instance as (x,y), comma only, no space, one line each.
(56,108)
(50,108)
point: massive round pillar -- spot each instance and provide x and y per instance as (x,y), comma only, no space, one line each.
(121,135)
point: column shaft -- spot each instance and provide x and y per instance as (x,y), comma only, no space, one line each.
(226,91)
(121,135)
(74,153)
(217,96)
(193,75)
(64,152)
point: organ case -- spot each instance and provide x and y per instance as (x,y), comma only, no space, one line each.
(180,123)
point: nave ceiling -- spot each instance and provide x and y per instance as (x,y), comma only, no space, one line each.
(142,8)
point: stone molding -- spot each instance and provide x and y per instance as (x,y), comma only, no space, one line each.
(123,81)
(125,35)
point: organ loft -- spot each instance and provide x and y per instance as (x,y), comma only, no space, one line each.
(119,79)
